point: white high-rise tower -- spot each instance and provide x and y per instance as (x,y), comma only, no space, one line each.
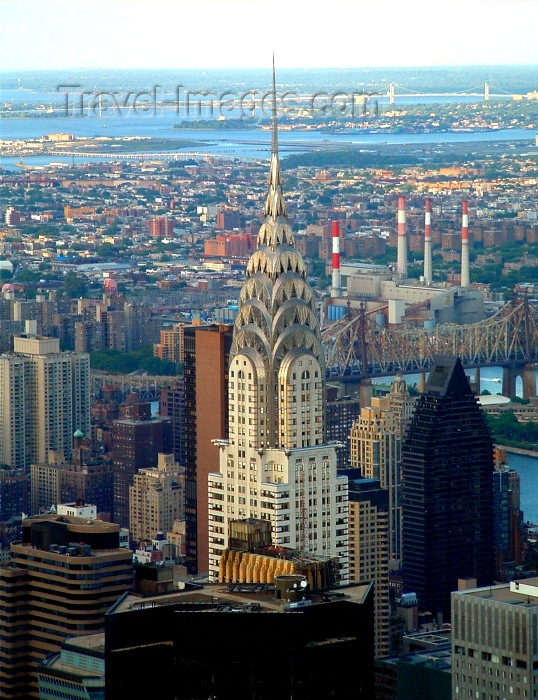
(44,398)
(276,465)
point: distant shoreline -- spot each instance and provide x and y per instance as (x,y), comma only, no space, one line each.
(518,450)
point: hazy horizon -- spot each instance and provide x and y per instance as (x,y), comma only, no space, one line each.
(169,34)
(252,69)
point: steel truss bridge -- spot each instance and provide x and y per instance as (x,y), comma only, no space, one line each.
(356,345)
(146,385)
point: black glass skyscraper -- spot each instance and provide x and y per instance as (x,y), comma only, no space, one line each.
(447,473)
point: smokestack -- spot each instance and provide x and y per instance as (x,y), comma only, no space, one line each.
(464,245)
(427,242)
(402,239)
(335,289)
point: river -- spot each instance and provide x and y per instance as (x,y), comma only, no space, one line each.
(527,468)
(490,380)
(247,143)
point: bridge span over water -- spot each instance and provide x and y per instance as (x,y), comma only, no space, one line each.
(357,348)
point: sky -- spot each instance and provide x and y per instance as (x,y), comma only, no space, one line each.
(62,34)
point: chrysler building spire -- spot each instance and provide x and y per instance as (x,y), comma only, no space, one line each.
(277,321)
(274,204)
(276,464)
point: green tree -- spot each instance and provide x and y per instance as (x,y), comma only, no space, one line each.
(73,285)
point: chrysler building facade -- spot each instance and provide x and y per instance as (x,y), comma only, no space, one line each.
(276,464)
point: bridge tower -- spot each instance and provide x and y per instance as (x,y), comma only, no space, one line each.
(486,92)
(528,377)
(390,94)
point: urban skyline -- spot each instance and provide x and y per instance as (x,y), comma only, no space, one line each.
(255,468)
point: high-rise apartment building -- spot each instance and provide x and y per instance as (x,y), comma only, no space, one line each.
(495,641)
(172,406)
(156,499)
(276,464)
(376,450)
(44,399)
(369,549)
(207,350)
(141,328)
(161,227)
(507,520)
(172,343)
(64,575)
(447,467)
(136,445)
(45,486)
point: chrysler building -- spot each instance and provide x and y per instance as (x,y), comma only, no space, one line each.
(276,464)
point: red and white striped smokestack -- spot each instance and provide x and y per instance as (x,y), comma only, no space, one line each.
(402,238)
(427,242)
(336,280)
(464,244)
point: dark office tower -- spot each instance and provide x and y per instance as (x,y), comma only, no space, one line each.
(447,482)
(136,444)
(171,405)
(92,482)
(341,413)
(211,642)
(207,349)
(14,500)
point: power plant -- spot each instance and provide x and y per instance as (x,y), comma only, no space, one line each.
(391,295)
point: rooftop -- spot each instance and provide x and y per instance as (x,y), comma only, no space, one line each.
(522,592)
(72,520)
(90,642)
(235,597)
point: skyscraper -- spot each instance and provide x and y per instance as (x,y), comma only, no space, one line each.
(156,499)
(447,466)
(64,575)
(207,349)
(369,548)
(276,464)
(376,450)
(507,518)
(44,399)
(14,500)
(495,641)
(137,441)
(171,405)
